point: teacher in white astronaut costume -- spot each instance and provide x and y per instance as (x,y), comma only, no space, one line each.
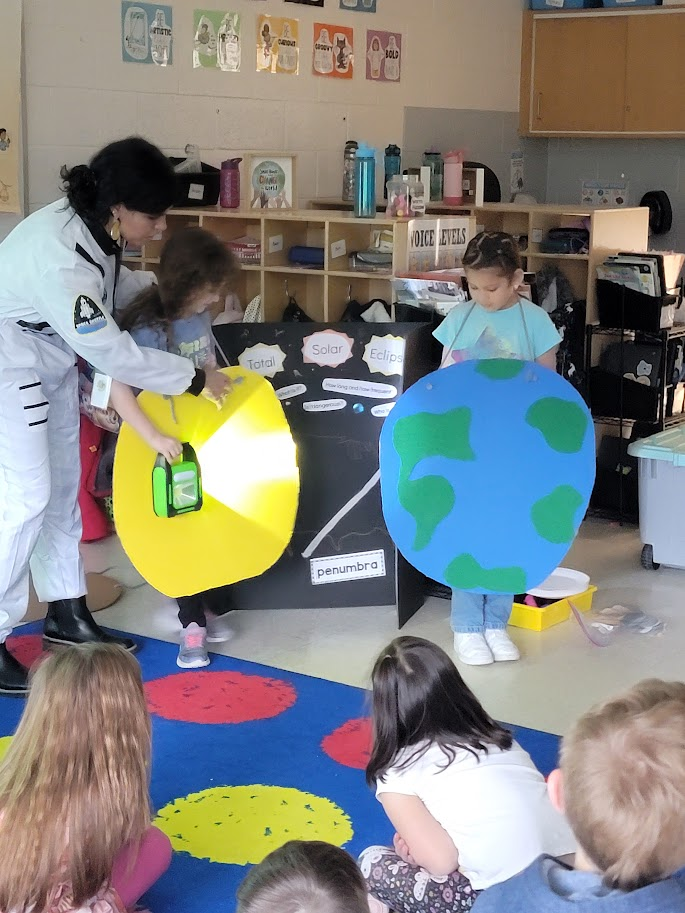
(60,280)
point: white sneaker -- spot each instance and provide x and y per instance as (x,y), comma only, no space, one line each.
(502,646)
(472,649)
(218,628)
(192,653)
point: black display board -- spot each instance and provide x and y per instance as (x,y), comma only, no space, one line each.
(335,412)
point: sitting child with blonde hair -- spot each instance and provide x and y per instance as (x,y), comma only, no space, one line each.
(75,831)
(622,786)
(304,876)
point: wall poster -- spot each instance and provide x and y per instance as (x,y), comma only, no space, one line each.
(10,107)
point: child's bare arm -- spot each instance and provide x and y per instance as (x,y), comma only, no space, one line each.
(548,359)
(123,399)
(428,844)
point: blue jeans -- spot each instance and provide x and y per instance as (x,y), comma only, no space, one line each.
(473,613)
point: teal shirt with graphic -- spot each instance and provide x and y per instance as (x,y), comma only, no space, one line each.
(524,331)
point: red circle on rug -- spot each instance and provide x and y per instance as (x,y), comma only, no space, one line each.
(27,648)
(350,744)
(218,697)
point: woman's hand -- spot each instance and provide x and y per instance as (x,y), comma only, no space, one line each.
(217,385)
(169,447)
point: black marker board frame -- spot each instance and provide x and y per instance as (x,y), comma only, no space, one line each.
(337,456)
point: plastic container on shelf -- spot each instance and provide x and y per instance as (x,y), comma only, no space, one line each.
(627,4)
(453,190)
(406,198)
(565,4)
(661,487)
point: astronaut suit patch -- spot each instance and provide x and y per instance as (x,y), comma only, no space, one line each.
(88,316)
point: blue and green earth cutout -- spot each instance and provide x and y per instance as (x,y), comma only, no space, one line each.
(486,471)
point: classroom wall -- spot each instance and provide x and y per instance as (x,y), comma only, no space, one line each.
(489,137)
(647,164)
(79,93)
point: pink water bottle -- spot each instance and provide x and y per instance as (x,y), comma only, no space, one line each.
(453,191)
(230,184)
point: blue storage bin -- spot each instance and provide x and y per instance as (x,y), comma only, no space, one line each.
(629,4)
(552,5)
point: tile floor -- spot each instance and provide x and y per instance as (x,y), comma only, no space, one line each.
(560,673)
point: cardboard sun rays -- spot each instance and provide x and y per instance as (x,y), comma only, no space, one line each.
(250,489)
(486,473)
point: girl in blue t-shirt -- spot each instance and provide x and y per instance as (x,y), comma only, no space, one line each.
(196,273)
(495,323)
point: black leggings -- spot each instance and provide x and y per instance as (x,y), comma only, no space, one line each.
(194,608)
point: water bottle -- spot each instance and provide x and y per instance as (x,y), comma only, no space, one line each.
(453,193)
(433,160)
(229,196)
(365,182)
(348,171)
(392,165)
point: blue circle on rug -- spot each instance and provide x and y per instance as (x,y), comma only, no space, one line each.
(486,473)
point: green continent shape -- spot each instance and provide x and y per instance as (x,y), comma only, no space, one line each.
(416,437)
(500,368)
(561,423)
(465,573)
(553,515)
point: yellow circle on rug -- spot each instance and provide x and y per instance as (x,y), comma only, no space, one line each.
(250,483)
(240,825)
(4,745)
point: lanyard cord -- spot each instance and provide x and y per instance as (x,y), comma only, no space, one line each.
(449,349)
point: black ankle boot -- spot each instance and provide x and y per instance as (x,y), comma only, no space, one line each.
(69,622)
(14,678)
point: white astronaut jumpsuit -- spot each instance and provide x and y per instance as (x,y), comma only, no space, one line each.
(59,282)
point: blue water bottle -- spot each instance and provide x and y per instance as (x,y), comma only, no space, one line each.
(365,182)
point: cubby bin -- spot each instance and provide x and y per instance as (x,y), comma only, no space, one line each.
(341,289)
(619,306)
(175,220)
(348,237)
(306,287)
(231,229)
(248,285)
(282,234)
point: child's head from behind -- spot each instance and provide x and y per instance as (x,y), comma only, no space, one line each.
(492,263)
(304,877)
(419,698)
(78,765)
(196,272)
(623,776)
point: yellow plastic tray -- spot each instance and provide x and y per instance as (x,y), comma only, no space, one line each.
(537,619)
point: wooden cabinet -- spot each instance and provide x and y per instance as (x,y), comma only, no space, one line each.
(577,83)
(655,89)
(603,73)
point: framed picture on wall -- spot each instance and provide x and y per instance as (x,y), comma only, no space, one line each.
(271,181)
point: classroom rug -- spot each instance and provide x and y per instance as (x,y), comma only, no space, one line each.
(246,757)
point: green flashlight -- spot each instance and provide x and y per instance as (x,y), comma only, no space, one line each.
(177,487)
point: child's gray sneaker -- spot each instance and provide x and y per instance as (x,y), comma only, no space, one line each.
(193,650)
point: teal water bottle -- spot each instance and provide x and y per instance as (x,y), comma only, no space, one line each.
(365,182)
(393,165)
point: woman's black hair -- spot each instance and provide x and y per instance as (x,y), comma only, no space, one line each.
(192,259)
(419,699)
(130,171)
(493,250)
